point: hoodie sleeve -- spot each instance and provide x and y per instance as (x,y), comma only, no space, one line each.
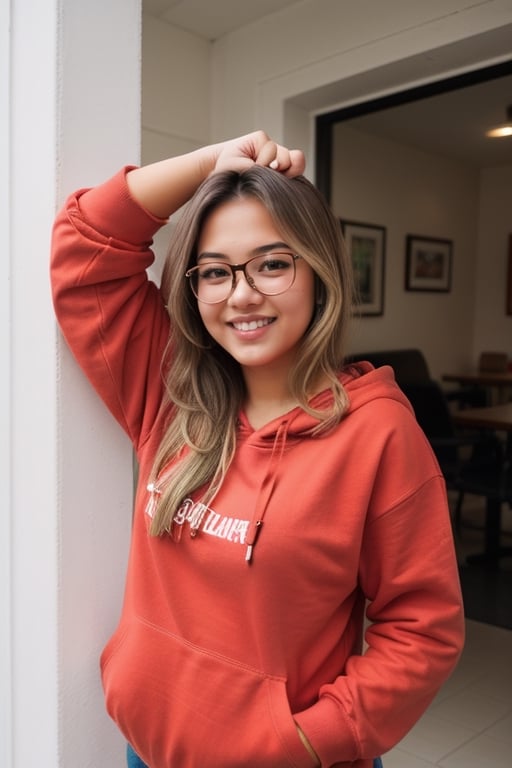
(408,574)
(111,315)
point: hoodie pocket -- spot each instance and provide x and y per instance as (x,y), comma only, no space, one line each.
(181,706)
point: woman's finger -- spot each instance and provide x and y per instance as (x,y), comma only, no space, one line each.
(297,164)
(267,153)
(288,162)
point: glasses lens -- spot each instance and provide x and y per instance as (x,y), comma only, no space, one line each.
(272,273)
(211,282)
(269,274)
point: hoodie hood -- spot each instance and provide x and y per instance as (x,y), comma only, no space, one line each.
(363,384)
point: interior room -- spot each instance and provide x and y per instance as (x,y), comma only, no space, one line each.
(426,167)
(164,77)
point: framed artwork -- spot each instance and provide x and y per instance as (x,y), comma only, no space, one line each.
(509,278)
(366,245)
(428,264)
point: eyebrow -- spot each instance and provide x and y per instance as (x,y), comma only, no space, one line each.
(259,251)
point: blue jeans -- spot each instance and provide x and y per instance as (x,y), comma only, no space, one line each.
(134,761)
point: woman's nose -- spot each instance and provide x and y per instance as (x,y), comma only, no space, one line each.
(243,292)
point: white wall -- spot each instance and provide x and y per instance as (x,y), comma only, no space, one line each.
(98,110)
(493,328)
(322,53)
(69,116)
(175,90)
(176,101)
(411,192)
(6,554)
(29,519)
(312,56)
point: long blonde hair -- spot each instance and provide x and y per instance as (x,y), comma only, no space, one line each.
(204,386)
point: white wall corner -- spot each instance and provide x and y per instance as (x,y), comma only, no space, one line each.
(100,128)
(66,528)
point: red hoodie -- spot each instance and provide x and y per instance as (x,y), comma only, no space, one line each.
(217,655)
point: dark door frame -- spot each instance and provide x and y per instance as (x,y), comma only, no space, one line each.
(324,123)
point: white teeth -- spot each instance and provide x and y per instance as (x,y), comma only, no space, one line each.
(252,326)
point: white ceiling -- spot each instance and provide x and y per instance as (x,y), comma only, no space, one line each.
(452,124)
(212,18)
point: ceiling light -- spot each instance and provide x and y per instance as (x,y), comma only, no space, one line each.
(505,129)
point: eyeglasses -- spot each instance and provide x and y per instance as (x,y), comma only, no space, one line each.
(270,274)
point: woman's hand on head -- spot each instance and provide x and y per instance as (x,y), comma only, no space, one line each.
(164,186)
(257,148)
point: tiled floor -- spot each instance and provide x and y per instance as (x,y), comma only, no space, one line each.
(469,724)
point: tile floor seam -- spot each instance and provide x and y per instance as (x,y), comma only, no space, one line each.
(441,761)
(493,736)
(463,743)
(450,718)
(442,764)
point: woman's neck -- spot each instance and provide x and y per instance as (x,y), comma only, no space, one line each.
(269,396)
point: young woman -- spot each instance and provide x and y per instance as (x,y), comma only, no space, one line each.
(282,496)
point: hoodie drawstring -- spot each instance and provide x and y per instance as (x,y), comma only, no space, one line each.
(267,489)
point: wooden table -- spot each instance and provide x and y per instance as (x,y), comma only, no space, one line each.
(482,379)
(500,381)
(497,418)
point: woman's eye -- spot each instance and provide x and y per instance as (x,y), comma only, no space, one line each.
(214,272)
(276,263)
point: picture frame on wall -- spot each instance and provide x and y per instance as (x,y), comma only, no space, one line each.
(366,245)
(428,263)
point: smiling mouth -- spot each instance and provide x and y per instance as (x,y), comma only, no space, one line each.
(253,325)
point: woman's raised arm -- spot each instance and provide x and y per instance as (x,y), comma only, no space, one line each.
(165,186)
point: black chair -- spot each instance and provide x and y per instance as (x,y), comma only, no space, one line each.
(495,485)
(472,461)
(410,367)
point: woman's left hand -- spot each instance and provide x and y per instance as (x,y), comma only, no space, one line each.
(308,746)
